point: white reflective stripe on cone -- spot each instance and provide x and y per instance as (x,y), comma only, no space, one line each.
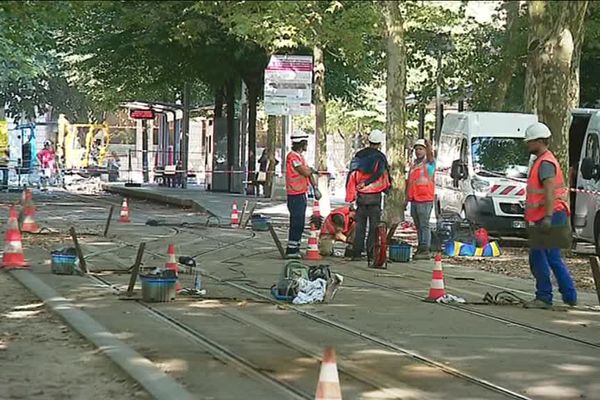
(328,373)
(437,284)
(11,247)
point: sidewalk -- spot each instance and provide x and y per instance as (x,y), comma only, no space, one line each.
(216,204)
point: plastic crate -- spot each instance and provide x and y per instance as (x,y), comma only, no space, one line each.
(400,252)
(260,223)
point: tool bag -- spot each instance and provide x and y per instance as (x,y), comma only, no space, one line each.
(319,272)
(287,286)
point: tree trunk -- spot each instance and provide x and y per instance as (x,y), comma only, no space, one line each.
(558,33)
(219,98)
(271,144)
(253,93)
(535,10)
(320,102)
(395,108)
(508,64)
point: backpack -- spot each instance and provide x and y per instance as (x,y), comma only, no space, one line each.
(287,286)
(321,271)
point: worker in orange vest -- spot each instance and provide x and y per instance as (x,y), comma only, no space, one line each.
(547,214)
(298,175)
(338,226)
(420,192)
(369,177)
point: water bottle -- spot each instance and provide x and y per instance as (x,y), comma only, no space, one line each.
(197,282)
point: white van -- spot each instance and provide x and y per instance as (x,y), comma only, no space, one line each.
(481,168)
(584,153)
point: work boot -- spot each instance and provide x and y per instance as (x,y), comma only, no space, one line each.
(423,255)
(293,256)
(537,303)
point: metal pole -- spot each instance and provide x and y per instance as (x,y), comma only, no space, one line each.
(186,133)
(145,151)
(422,121)
(438,98)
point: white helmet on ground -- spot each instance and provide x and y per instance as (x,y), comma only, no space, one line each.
(537,131)
(420,142)
(47,143)
(376,136)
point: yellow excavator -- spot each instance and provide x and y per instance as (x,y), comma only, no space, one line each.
(81,146)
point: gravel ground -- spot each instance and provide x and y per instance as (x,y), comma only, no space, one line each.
(515,262)
(34,342)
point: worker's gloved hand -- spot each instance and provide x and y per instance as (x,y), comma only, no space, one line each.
(318,194)
(546,224)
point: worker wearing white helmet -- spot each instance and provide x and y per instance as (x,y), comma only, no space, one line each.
(298,176)
(547,214)
(420,192)
(369,177)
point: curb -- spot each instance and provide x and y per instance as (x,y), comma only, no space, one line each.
(153,380)
(158,198)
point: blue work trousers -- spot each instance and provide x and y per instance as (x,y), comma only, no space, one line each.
(542,261)
(297,207)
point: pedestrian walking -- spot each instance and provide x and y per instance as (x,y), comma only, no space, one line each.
(4,161)
(368,178)
(420,192)
(547,214)
(298,177)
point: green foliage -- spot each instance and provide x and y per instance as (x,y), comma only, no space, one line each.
(590,58)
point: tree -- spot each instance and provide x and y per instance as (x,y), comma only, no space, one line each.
(395,110)
(555,43)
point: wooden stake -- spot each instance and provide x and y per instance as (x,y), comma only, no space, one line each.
(135,269)
(244,211)
(82,262)
(249,215)
(595,264)
(276,240)
(110,214)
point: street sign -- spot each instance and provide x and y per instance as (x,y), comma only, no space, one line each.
(141,114)
(288,85)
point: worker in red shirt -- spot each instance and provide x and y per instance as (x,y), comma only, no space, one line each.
(368,179)
(298,175)
(338,226)
(547,214)
(47,159)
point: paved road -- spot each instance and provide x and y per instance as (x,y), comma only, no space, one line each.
(234,343)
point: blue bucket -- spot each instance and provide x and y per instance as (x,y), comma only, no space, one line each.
(401,252)
(62,264)
(158,290)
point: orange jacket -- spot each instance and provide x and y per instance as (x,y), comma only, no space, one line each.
(329,227)
(382,184)
(535,207)
(294,182)
(421,186)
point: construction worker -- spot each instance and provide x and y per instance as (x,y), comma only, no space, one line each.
(4,161)
(338,226)
(369,177)
(547,214)
(420,192)
(298,176)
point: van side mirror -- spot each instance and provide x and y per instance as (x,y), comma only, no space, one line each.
(458,171)
(589,170)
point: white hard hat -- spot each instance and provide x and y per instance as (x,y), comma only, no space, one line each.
(47,143)
(420,142)
(298,137)
(537,131)
(376,136)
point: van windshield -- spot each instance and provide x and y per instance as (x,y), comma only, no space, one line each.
(500,156)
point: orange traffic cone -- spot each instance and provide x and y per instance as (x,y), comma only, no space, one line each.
(124,217)
(328,387)
(171,264)
(235,219)
(29,224)
(24,195)
(313,245)
(437,290)
(316,217)
(13,247)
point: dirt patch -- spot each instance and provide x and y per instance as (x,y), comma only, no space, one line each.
(515,262)
(42,358)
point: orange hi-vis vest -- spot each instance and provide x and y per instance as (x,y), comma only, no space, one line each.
(421,186)
(294,182)
(535,203)
(382,184)
(329,227)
